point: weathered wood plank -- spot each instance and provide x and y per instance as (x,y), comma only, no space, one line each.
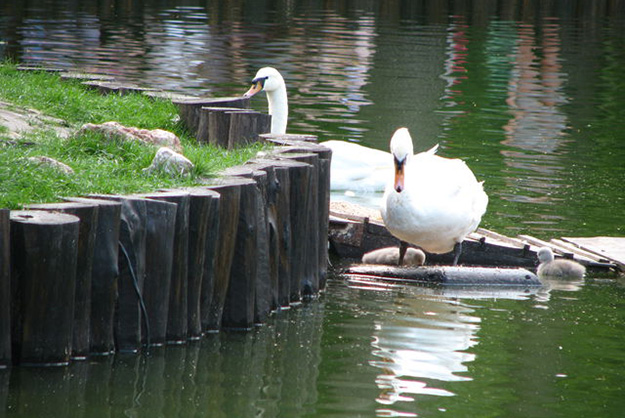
(611,248)
(43,278)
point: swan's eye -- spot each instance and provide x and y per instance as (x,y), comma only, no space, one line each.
(260,80)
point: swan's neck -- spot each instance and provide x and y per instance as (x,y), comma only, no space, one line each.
(278,109)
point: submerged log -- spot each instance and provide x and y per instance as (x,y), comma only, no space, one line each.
(43,258)
(229,189)
(88,215)
(160,231)
(104,275)
(177,317)
(5,289)
(448,275)
(190,108)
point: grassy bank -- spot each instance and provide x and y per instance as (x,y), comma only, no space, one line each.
(100,166)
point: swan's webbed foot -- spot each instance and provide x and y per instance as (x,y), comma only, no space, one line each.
(457,252)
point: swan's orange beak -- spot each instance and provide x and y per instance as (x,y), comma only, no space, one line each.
(256,87)
(399,175)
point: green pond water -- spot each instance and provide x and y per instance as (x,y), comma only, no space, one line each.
(530,94)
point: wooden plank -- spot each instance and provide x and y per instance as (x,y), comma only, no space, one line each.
(612,248)
(499,238)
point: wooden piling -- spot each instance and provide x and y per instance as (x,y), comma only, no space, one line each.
(245,127)
(131,262)
(177,316)
(104,275)
(5,288)
(295,144)
(159,261)
(43,257)
(190,108)
(202,217)
(214,125)
(88,215)
(229,189)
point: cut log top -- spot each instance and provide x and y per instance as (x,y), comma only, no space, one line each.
(40,217)
(288,139)
(227,181)
(93,200)
(196,191)
(238,102)
(64,206)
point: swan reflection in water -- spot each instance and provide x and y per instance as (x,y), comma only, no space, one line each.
(426,341)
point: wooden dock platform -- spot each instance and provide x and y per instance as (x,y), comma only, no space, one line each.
(355,230)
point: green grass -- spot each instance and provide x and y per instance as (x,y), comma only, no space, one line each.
(101,166)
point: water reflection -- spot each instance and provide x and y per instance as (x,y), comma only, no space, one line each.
(426,340)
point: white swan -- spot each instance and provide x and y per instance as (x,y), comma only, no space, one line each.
(434,202)
(549,267)
(360,169)
(271,81)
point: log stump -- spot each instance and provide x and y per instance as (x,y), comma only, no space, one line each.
(214,125)
(104,275)
(44,253)
(88,215)
(177,317)
(5,289)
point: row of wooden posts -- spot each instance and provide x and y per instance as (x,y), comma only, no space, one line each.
(98,274)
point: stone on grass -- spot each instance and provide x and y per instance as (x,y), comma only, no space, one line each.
(51,162)
(157,137)
(170,162)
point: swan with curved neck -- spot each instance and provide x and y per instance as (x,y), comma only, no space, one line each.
(271,81)
(432,202)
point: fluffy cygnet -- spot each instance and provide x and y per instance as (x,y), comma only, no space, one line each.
(549,267)
(390,256)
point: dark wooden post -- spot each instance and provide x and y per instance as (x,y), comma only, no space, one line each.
(5,289)
(300,196)
(229,189)
(245,126)
(104,275)
(209,274)
(159,260)
(177,317)
(88,215)
(307,144)
(131,264)
(265,286)
(43,257)
(190,108)
(214,129)
(202,216)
